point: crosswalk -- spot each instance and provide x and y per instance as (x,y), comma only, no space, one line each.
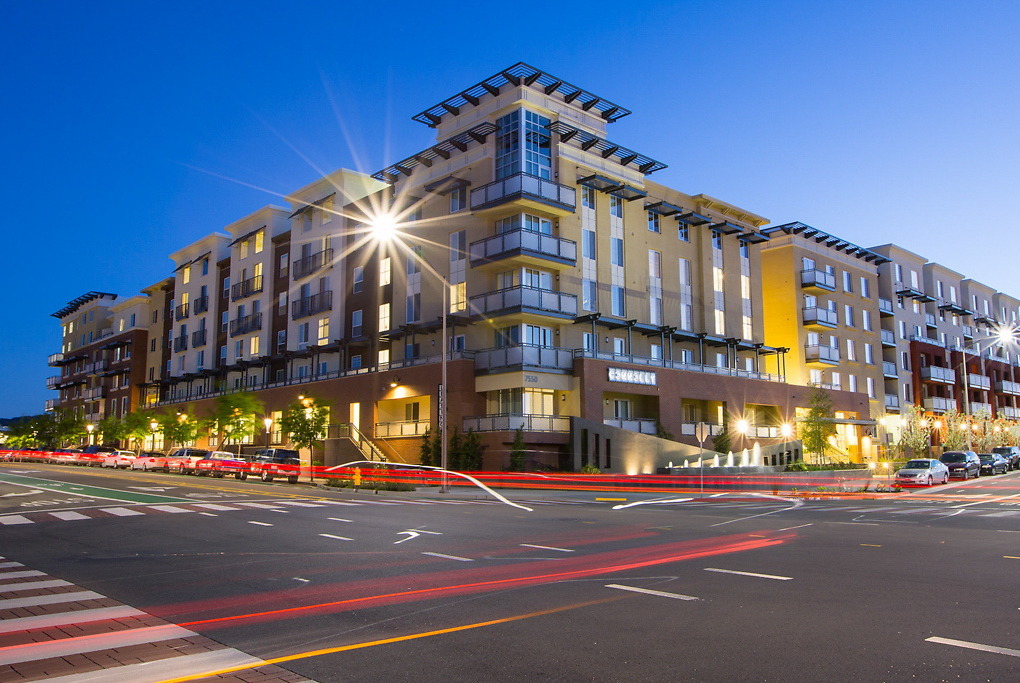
(52,630)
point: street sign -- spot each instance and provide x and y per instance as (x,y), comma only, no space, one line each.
(701,431)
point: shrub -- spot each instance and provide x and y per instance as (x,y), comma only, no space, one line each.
(590,469)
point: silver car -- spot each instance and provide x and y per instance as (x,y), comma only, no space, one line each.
(923,471)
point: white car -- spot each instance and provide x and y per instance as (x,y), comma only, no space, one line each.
(121,459)
(923,471)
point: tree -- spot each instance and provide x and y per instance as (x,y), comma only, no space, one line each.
(236,417)
(721,442)
(110,429)
(915,432)
(455,451)
(817,426)
(426,453)
(953,431)
(138,427)
(53,430)
(472,450)
(517,451)
(178,428)
(24,433)
(305,422)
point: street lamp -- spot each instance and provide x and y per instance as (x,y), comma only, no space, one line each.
(89,427)
(269,426)
(153,425)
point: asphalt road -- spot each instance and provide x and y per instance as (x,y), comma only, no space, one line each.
(292,583)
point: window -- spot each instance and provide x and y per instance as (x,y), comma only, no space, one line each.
(866,287)
(683,232)
(616,251)
(848,315)
(653,222)
(618,300)
(384,317)
(588,197)
(323,337)
(866,320)
(851,350)
(848,281)
(458,200)
(530,127)
(281,341)
(905,361)
(356,323)
(851,382)
(359,278)
(869,354)
(281,304)
(588,244)
(870,382)
(615,206)
(619,346)
(413,265)
(253,346)
(239,349)
(243,249)
(589,295)
(260,241)
(588,341)
(205,266)
(186,275)
(384,272)
(302,334)
(224,320)
(356,362)
(412,311)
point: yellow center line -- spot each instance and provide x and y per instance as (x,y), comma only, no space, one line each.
(385,641)
(611,500)
(1010,557)
(870,545)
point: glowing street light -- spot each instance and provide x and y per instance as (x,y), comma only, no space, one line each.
(268,422)
(89,427)
(153,426)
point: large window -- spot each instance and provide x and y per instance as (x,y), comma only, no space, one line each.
(537,153)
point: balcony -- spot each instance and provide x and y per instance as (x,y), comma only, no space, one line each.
(529,190)
(934,373)
(968,332)
(639,425)
(182,311)
(524,299)
(509,422)
(307,265)
(979,408)
(53,382)
(97,366)
(892,402)
(200,305)
(889,369)
(978,382)
(678,365)
(310,305)
(888,338)
(690,429)
(929,320)
(388,430)
(820,317)
(939,405)
(55,359)
(816,353)
(52,403)
(94,394)
(180,344)
(248,323)
(198,338)
(1007,387)
(926,340)
(1008,412)
(524,356)
(819,279)
(246,288)
(885,306)
(526,246)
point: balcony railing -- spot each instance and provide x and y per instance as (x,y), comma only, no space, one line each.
(53,382)
(939,405)
(888,337)
(885,306)
(818,278)
(820,316)
(926,340)
(52,403)
(639,425)
(520,297)
(526,242)
(523,186)
(690,429)
(310,305)
(892,402)
(94,394)
(677,365)
(978,408)
(386,430)
(1007,387)
(889,369)
(929,320)
(311,263)
(198,338)
(1008,412)
(934,373)
(252,285)
(509,422)
(97,366)
(200,305)
(816,353)
(180,344)
(525,355)
(978,382)
(248,323)
(182,311)
(55,359)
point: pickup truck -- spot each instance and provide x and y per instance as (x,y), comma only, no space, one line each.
(270,463)
(219,463)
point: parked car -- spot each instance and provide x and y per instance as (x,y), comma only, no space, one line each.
(992,463)
(150,460)
(923,471)
(1011,454)
(964,464)
(182,460)
(219,463)
(119,459)
(270,463)
(65,456)
(93,455)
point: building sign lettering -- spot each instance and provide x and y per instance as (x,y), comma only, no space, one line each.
(632,376)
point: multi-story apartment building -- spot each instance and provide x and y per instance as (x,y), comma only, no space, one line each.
(159,326)
(821,302)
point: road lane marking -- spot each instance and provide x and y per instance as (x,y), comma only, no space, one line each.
(449,557)
(339,538)
(260,523)
(9,520)
(209,514)
(167,508)
(51,599)
(801,526)
(29,652)
(121,512)
(376,502)
(34,585)
(299,504)
(339,519)
(338,502)
(648,591)
(9,565)
(1010,557)
(870,545)
(982,502)
(261,506)
(760,576)
(69,516)
(19,575)
(1007,513)
(215,506)
(974,646)
(423,531)
(546,547)
(64,618)
(87,491)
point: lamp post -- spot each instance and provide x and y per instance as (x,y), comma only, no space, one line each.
(89,427)
(268,422)
(153,425)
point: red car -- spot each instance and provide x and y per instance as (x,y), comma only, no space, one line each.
(219,463)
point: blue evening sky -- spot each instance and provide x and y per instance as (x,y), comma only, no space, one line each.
(875,121)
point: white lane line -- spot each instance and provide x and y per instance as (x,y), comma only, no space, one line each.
(339,538)
(260,523)
(209,514)
(406,502)
(340,519)
(338,502)
(64,618)
(8,520)
(449,557)
(19,575)
(760,576)
(8,565)
(52,599)
(546,547)
(169,668)
(431,533)
(122,512)
(283,512)
(33,585)
(168,508)
(30,652)
(261,506)
(856,523)
(69,516)
(992,500)
(1007,513)
(377,502)
(215,506)
(974,646)
(913,510)
(648,591)
(801,526)
(299,504)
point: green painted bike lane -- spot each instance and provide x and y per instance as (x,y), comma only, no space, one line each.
(88,491)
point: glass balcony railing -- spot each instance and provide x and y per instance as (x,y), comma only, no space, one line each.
(523,242)
(885,306)
(311,263)
(889,369)
(523,186)
(892,402)
(978,381)
(888,337)
(818,278)
(519,298)
(939,405)
(1006,387)
(820,316)
(934,373)
(816,353)
(198,338)
(509,422)
(524,355)
(639,425)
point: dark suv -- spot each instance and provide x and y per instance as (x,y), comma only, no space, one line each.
(1011,454)
(965,464)
(269,463)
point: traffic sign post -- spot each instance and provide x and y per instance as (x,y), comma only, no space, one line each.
(701,432)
